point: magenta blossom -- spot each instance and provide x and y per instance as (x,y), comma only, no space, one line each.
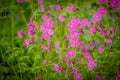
(118,76)
(91,44)
(103,32)
(111,32)
(78,76)
(71,8)
(108,41)
(20,34)
(87,55)
(93,30)
(61,18)
(19,1)
(91,65)
(75,70)
(58,7)
(40,1)
(71,54)
(26,43)
(44,47)
(100,48)
(100,13)
(115,4)
(41,8)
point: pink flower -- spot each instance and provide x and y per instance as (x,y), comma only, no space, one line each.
(84,22)
(103,32)
(20,34)
(91,65)
(82,46)
(100,48)
(40,1)
(42,8)
(91,44)
(108,41)
(98,76)
(118,76)
(75,70)
(71,8)
(74,23)
(56,44)
(31,31)
(100,13)
(92,30)
(115,4)
(87,55)
(61,18)
(71,54)
(32,24)
(78,76)
(103,1)
(44,47)
(56,67)
(112,32)
(27,43)
(58,7)
(19,1)
(46,17)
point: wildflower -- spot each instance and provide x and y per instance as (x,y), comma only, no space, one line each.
(19,1)
(118,76)
(78,76)
(91,44)
(56,44)
(115,4)
(84,22)
(56,67)
(99,14)
(74,23)
(108,41)
(61,18)
(44,47)
(103,32)
(71,8)
(26,43)
(82,46)
(42,8)
(100,48)
(40,1)
(87,55)
(75,70)
(91,65)
(93,30)
(111,32)
(58,7)
(20,34)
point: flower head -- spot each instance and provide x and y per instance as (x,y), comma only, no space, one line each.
(26,43)
(61,18)
(100,48)
(78,76)
(91,65)
(20,34)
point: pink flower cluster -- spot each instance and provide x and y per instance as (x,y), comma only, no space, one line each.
(47,28)
(115,4)
(100,13)
(61,18)
(71,8)
(69,55)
